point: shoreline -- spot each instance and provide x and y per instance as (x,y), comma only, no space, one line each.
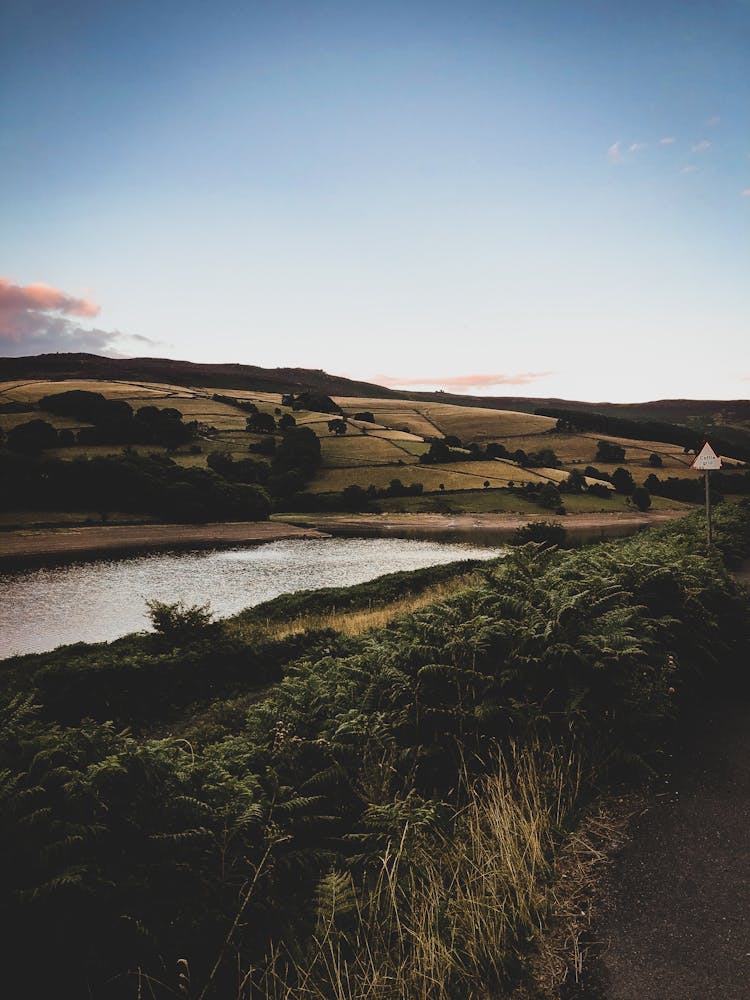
(490,528)
(20,549)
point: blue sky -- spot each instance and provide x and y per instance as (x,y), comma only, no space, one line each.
(538,198)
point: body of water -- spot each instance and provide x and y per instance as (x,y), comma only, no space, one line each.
(99,601)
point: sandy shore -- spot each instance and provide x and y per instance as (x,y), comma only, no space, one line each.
(18,548)
(481,528)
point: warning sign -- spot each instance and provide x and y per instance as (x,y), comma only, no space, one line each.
(706,459)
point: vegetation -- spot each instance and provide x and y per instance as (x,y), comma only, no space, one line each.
(382,820)
(690,438)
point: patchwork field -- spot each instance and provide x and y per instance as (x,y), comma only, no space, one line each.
(361,450)
(370,452)
(439,419)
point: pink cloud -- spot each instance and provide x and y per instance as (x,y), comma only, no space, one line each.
(462,381)
(746,193)
(614,153)
(36,319)
(22,306)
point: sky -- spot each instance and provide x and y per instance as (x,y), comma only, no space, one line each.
(538,198)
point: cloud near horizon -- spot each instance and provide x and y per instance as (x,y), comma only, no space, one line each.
(35,319)
(462,381)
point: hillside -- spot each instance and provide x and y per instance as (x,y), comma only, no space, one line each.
(698,413)
(160,451)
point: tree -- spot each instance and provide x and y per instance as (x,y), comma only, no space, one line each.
(641,498)
(486,484)
(32,437)
(576,481)
(623,481)
(318,402)
(337,426)
(261,423)
(366,415)
(608,451)
(655,461)
(286,421)
(549,496)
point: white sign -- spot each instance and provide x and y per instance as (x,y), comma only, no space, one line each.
(706,459)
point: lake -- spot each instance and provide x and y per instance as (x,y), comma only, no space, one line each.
(42,608)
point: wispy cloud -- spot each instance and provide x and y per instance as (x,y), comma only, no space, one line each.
(36,319)
(668,140)
(702,147)
(712,122)
(636,147)
(459,382)
(614,153)
(689,168)
(746,193)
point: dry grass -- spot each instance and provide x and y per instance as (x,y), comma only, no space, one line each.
(352,622)
(483,424)
(453,476)
(446,913)
(27,392)
(361,450)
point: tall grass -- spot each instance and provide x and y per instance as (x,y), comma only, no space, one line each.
(352,621)
(447,915)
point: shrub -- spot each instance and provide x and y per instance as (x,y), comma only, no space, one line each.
(180,621)
(548,533)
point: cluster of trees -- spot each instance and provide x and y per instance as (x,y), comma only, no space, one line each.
(115,421)
(138,858)
(318,402)
(132,483)
(450,449)
(352,498)
(227,489)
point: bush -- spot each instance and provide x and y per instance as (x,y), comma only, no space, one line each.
(180,621)
(641,498)
(547,533)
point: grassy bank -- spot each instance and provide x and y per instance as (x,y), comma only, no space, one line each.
(381,816)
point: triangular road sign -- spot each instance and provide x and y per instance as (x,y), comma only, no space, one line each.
(706,459)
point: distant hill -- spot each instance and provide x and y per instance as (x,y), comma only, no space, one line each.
(93,366)
(694,413)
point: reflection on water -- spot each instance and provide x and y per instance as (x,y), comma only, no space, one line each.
(93,602)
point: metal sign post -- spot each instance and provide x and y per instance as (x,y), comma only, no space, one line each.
(707,459)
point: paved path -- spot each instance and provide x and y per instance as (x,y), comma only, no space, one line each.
(678,920)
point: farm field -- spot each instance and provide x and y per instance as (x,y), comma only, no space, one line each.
(465,422)
(370,453)
(363,450)
(497,501)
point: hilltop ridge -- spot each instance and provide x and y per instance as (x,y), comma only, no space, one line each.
(240,376)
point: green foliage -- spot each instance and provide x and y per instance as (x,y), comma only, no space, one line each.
(622,481)
(180,621)
(608,451)
(545,533)
(123,853)
(641,498)
(32,437)
(153,484)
